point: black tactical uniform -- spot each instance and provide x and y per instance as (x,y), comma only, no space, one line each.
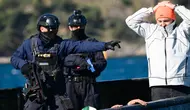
(42,67)
(82,69)
(40,59)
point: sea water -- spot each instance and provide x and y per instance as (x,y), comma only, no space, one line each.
(123,68)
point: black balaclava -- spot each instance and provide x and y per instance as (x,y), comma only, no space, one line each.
(49,36)
(78,34)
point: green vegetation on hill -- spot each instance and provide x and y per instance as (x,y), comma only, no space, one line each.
(106,19)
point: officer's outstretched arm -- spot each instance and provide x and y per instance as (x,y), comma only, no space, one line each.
(69,47)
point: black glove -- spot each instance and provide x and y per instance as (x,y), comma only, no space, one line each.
(111,45)
(26,69)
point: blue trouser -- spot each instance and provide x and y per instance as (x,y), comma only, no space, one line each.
(82,93)
(162,92)
(53,103)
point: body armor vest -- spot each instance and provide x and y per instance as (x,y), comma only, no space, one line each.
(47,61)
(46,68)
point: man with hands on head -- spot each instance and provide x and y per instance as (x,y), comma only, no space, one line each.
(167,48)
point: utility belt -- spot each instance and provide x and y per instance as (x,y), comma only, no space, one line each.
(81,79)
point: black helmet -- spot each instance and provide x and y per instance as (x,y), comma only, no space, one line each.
(77,19)
(49,21)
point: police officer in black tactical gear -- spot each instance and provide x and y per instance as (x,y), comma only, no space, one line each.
(42,66)
(40,59)
(82,69)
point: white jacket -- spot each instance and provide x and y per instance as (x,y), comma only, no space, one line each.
(167,49)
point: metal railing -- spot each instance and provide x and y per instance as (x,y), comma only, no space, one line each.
(176,103)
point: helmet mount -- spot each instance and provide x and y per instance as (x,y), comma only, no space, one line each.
(77,19)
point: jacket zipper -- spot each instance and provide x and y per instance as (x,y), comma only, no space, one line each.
(186,67)
(149,66)
(165,57)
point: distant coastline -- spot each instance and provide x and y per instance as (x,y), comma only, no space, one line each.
(125,50)
(4,60)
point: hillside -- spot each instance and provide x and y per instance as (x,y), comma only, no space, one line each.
(106,21)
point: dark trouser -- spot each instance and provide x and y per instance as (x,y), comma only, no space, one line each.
(82,93)
(51,104)
(162,92)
